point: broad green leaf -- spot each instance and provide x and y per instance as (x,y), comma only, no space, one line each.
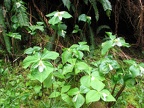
(65,88)
(32,50)
(49,55)
(97,75)
(67,99)
(67,3)
(81,66)
(66,55)
(54,94)
(67,68)
(59,74)
(14,35)
(82,17)
(78,100)
(54,20)
(51,14)
(31,59)
(41,76)
(83,47)
(134,70)
(92,96)
(85,81)
(37,88)
(96,84)
(84,89)
(106,96)
(73,91)
(66,15)
(48,81)
(106,46)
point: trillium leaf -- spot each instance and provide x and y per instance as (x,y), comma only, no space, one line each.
(65,88)
(85,81)
(51,14)
(49,55)
(66,55)
(73,91)
(31,59)
(78,100)
(54,94)
(67,99)
(97,85)
(68,68)
(92,96)
(54,20)
(41,76)
(81,66)
(66,15)
(106,46)
(106,96)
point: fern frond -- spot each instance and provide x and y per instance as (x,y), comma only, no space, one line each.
(106,6)
(3,27)
(7,4)
(22,17)
(94,4)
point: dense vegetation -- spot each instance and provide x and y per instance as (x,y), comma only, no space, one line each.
(71,53)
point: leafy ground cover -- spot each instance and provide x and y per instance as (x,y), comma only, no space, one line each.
(75,79)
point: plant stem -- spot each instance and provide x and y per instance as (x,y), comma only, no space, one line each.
(117,96)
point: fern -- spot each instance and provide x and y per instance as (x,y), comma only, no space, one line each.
(19,14)
(106,6)
(94,4)
(22,15)
(3,27)
(7,4)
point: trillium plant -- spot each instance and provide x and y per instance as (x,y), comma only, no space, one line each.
(79,82)
(56,18)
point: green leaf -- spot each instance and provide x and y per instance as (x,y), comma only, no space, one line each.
(48,81)
(85,81)
(84,89)
(54,94)
(67,68)
(51,14)
(73,91)
(31,59)
(83,47)
(67,99)
(86,2)
(32,50)
(78,100)
(37,88)
(106,4)
(66,15)
(92,96)
(81,66)
(14,35)
(66,55)
(54,20)
(49,55)
(82,17)
(96,84)
(65,88)
(67,3)
(106,46)
(41,76)
(134,70)
(106,96)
